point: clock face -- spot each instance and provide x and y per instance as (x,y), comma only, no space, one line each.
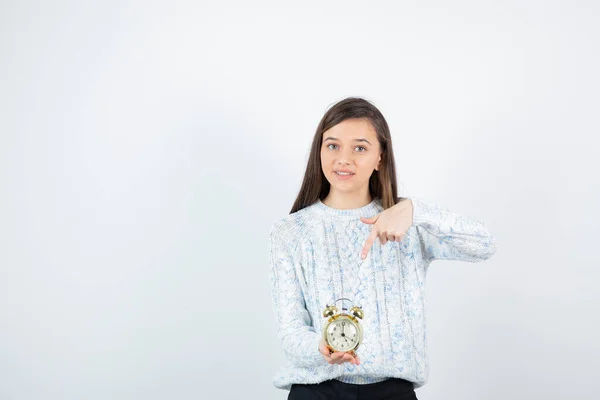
(342,334)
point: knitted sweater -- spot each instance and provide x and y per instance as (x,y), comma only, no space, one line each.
(314,259)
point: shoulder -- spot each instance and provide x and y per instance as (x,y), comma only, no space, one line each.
(292,228)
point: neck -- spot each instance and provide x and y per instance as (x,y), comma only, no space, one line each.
(346,202)
(366,209)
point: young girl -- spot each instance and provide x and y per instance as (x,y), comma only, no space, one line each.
(325,249)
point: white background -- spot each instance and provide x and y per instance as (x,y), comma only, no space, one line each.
(147,147)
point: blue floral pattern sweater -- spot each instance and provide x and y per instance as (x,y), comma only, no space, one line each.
(314,259)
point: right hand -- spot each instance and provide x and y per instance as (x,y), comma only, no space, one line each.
(337,357)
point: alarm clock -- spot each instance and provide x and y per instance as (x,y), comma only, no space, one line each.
(343,331)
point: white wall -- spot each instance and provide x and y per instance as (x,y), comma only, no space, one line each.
(147,147)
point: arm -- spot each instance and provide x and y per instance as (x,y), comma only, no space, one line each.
(299,339)
(445,235)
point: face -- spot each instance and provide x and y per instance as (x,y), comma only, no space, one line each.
(352,146)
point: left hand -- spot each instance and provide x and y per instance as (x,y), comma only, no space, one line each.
(391,224)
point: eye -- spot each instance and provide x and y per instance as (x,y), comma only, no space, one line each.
(358,147)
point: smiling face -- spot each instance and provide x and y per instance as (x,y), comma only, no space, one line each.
(350,146)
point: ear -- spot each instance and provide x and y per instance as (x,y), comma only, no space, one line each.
(377,166)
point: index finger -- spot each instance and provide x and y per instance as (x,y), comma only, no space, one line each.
(369,243)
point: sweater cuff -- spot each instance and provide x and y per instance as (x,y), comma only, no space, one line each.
(422,213)
(316,355)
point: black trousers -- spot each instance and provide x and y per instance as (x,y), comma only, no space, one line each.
(390,389)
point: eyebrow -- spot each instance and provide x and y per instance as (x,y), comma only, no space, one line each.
(356,140)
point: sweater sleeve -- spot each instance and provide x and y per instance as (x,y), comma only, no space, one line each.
(445,235)
(298,337)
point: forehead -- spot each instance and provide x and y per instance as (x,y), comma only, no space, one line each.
(352,129)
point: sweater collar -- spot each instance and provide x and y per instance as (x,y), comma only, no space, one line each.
(367,211)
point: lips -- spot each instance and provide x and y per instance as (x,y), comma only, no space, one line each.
(343,177)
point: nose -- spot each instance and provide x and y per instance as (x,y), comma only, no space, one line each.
(345,157)
(343,162)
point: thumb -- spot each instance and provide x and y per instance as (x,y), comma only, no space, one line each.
(370,220)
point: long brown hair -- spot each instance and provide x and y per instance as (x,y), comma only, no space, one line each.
(382,183)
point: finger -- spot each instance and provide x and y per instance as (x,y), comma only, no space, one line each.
(342,359)
(325,351)
(397,237)
(348,358)
(369,243)
(339,357)
(370,220)
(335,358)
(383,238)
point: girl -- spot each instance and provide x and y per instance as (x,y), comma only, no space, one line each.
(325,249)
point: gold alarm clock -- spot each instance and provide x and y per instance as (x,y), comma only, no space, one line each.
(343,331)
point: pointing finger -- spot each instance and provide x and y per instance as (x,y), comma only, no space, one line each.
(368,243)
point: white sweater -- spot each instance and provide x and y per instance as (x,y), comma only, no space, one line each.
(314,258)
